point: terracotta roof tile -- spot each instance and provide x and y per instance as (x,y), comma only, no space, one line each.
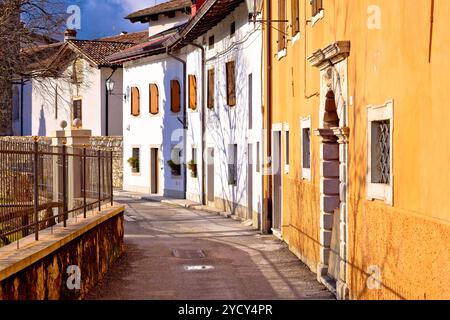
(165,7)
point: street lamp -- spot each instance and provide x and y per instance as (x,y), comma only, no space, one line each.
(254,8)
(110,85)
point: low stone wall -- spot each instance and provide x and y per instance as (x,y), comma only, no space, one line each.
(48,269)
(114,144)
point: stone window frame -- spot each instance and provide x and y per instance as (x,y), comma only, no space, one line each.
(305,123)
(286,146)
(379,191)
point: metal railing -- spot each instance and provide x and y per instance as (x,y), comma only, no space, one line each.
(43,185)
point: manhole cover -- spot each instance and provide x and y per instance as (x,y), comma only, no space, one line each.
(189,254)
(198,268)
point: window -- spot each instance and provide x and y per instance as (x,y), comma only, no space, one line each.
(316,10)
(379,174)
(154,99)
(211,89)
(232,29)
(194,155)
(135,102)
(295,17)
(175,96)
(211,42)
(77,109)
(232,164)
(250,101)
(231,83)
(258,157)
(192,92)
(305,127)
(175,161)
(282,31)
(286,151)
(135,160)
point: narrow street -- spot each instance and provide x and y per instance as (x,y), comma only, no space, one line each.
(178,253)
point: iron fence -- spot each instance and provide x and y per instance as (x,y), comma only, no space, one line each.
(43,185)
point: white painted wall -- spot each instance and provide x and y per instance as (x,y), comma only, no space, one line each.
(227,125)
(165,23)
(43,116)
(146,130)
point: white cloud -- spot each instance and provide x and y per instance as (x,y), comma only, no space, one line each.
(134,5)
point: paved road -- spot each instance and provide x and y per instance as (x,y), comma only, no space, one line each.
(178,253)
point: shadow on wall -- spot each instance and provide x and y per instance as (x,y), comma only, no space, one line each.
(42,131)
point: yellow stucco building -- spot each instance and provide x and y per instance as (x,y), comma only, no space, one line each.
(355,106)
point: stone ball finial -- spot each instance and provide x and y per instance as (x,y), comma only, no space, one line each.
(63,124)
(77,123)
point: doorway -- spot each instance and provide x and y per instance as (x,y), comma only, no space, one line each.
(277,184)
(250,182)
(210,182)
(154,165)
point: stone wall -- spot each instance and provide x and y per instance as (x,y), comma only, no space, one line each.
(116,145)
(105,143)
(92,246)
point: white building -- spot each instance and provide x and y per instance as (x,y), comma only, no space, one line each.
(216,58)
(229,108)
(77,85)
(153,111)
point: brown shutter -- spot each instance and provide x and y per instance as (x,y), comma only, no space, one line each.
(175,92)
(135,101)
(295,17)
(231,84)
(77,109)
(282,16)
(192,92)
(154,99)
(211,93)
(316,6)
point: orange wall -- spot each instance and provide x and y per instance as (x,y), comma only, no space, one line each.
(409,241)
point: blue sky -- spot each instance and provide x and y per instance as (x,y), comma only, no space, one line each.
(100,18)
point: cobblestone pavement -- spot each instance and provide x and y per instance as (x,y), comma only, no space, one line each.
(179,253)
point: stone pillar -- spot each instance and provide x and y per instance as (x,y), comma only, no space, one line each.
(329,194)
(341,285)
(75,140)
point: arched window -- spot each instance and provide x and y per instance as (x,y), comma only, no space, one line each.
(154,99)
(135,102)
(175,92)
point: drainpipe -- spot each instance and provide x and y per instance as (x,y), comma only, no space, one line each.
(21,106)
(203,119)
(267,180)
(107,102)
(184,122)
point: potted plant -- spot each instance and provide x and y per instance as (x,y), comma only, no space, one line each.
(192,165)
(176,168)
(134,164)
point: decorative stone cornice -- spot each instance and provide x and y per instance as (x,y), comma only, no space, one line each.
(327,135)
(342,134)
(330,55)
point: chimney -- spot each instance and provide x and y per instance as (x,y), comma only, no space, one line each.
(196,5)
(70,34)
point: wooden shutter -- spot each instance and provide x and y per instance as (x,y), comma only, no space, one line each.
(295,17)
(282,16)
(316,6)
(175,93)
(154,99)
(135,102)
(192,92)
(211,91)
(231,84)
